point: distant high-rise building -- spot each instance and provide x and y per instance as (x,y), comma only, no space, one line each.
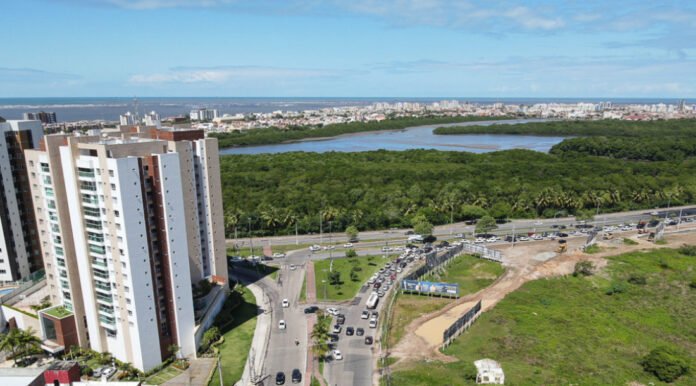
(20,252)
(127,119)
(130,219)
(44,117)
(204,114)
(152,119)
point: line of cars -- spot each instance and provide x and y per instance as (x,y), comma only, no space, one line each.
(337,329)
(296,377)
(383,279)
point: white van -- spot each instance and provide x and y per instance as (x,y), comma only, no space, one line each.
(415,239)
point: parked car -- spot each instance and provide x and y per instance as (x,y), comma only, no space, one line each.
(337,355)
(373,323)
(368,340)
(364,315)
(360,331)
(348,245)
(278,255)
(333,337)
(280,378)
(311,309)
(286,303)
(340,319)
(350,331)
(296,376)
(337,329)
(315,248)
(332,311)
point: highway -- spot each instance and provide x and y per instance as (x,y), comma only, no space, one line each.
(398,236)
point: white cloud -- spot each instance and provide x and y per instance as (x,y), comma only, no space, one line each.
(224,74)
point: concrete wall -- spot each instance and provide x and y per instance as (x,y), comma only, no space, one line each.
(23,321)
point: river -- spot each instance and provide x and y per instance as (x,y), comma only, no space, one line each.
(417,137)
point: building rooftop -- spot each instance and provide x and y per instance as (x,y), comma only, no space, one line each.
(62,365)
(59,312)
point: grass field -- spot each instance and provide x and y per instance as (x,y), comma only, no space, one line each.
(238,336)
(303,291)
(368,265)
(258,249)
(469,272)
(163,375)
(568,330)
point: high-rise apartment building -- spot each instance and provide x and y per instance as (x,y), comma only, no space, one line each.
(129,220)
(43,116)
(19,247)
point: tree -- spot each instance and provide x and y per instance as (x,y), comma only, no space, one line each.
(584,268)
(350,253)
(501,210)
(665,363)
(423,228)
(20,343)
(335,278)
(354,276)
(472,212)
(485,224)
(352,233)
(320,335)
(210,336)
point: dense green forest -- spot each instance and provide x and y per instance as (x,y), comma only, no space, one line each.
(669,140)
(273,135)
(382,189)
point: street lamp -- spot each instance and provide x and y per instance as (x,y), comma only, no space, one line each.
(251,242)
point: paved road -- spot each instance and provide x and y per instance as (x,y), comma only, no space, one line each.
(356,366)
(380,238)
(283,354)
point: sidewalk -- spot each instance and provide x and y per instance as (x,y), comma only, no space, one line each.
(257,352)
(196,375)
(311,286)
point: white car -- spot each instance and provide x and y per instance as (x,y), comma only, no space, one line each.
(332,311)
(480,240)
(337,355)
(337,329)
(348,245)
(108,371)
(364,315)
(286,303)
(373,323)
(537,237)
(292,267)
(315,248)
(523,238)
(282,325)
(626,228)
(278,255)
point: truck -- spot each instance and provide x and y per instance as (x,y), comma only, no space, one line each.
(372,301)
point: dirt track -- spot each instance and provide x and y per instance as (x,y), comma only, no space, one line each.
(525,262)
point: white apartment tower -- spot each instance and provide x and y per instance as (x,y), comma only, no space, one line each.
(19,247)
(129,220)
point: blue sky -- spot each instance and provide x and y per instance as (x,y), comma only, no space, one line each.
(370,48)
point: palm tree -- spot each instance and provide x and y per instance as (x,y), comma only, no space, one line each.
(271,217)
(231,221)
(20,343)
(320,335)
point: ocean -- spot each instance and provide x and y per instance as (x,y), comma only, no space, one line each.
(75,109)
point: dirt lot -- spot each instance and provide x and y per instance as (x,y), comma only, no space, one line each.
(524,262)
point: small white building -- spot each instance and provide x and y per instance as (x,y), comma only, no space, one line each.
(489,371)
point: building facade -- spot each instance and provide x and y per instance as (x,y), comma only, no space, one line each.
(129,220)
(19,246)
(43,116)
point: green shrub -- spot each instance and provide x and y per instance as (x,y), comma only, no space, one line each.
(687,250)
(351,253)
(86,371)
(693,283)
(584,268)
(616,288)
(637,280)
(665,363)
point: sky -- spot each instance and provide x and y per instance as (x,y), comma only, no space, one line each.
(348,48)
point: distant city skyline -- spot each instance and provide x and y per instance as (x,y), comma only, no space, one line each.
(360,48)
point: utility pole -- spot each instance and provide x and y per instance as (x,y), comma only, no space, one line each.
(297,240)
(321,229)
(251,242)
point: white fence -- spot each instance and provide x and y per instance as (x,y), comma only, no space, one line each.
(485,253)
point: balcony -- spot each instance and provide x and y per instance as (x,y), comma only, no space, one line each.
(107,320)
(105,299)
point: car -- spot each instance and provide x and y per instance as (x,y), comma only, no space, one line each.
(340,319)
(368,340)
(523,238)
(364,315)
(280,378)
(286,303)
(282,325)
(96,373)
(350,331)
(108,371)
(311,309)
(373,323)
(537,237)
(330,247)
(479,240)
(332,311)
(337,329)
(380,293)
(333,337)
(292,267)
(337,355)
(374,315)
(460,235)
(348,245)
(296,376)
(626,228)
(278,255)
(377,285)
(315,248)
(360,331)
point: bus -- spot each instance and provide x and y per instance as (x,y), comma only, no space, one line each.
(372,301)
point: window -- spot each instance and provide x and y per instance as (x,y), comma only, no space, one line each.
(93,224)
(85,172)
(88,185)
(49,192)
